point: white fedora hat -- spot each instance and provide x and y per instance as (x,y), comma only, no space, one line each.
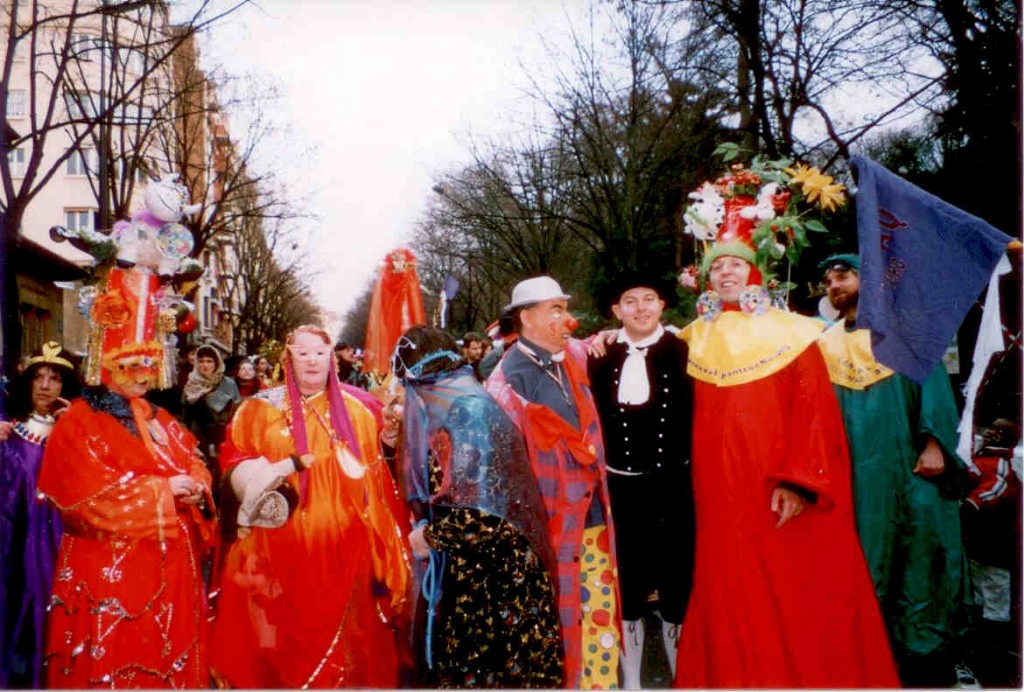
(536,290)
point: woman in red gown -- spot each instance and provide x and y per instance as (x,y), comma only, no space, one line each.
(127,608)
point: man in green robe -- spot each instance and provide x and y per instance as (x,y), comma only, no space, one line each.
(903,440)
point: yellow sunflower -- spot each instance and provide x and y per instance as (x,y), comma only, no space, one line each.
(817,186)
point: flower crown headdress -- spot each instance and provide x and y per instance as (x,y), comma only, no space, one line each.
(762,213)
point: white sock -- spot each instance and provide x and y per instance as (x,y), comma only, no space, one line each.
(670,636)
(632,653)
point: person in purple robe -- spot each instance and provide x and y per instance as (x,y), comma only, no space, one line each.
(30,530)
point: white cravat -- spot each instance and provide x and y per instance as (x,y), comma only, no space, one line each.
(634,387)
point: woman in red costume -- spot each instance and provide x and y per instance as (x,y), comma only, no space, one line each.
(127,608)
(396,305)
(313,586)
(781,594)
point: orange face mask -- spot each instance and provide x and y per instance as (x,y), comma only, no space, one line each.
(136,370)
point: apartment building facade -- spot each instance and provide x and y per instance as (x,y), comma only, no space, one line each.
(143,74)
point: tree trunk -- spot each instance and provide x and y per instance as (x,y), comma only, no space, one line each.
(10,320)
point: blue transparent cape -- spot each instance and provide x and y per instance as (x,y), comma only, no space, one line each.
(487,469)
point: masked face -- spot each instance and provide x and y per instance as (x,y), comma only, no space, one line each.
(311,362)
(133,376)
(548,324)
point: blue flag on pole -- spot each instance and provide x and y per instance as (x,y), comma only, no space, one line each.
(451,286)
(448,291)
(923,263)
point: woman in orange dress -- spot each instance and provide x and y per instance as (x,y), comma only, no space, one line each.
(313,585)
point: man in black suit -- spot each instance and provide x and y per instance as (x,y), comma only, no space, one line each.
(645,401)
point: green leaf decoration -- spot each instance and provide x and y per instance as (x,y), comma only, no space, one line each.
(728,151)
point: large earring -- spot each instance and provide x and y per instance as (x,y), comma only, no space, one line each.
(754,300)
(709,305)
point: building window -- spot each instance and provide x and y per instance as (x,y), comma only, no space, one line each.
(80,162)
(131,167)
(16,103)
(78,220)
(79,104)
(82,46)
(132,60)
(18,161)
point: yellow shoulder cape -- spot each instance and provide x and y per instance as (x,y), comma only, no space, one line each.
(848,355)
(737,348)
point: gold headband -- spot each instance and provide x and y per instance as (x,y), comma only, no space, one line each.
(51,355)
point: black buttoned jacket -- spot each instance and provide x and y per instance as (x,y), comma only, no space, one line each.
(654,436)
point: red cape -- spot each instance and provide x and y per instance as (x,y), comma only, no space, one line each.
(787,607)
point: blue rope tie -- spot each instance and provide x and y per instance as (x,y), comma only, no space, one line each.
(432,593)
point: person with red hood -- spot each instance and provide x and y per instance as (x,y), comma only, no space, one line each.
(781,594)
(128,608)
(542,384)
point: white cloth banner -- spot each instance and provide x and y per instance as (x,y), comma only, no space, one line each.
(990,341)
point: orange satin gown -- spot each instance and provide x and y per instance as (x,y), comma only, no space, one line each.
(320,601)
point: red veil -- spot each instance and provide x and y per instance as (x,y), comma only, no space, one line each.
(396,305)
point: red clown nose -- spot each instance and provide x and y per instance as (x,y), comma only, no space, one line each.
(571,323)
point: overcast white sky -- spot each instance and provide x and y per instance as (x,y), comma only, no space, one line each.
(386,92)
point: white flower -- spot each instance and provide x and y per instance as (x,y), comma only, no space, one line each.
(706,214)
(762,209)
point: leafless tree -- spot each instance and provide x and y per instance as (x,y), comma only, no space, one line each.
(596,185)
(813,77)
(270,282)
(357,318)
(495,222)
(46,35)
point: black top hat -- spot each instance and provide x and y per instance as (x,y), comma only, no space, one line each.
(631,278)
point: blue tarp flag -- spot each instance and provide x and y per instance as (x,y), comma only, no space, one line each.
(448,291)
(451,286)
(923,263)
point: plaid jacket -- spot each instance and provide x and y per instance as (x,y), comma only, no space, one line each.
(570,468)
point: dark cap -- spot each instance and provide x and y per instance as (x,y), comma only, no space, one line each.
(842,262)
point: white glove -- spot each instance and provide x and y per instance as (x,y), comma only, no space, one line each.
(255,483)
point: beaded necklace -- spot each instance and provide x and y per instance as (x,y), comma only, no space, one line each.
(349,464)
(35,428)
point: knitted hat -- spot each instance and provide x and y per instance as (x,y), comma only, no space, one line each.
(844,262)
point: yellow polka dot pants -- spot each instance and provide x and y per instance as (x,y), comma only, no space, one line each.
(601,635)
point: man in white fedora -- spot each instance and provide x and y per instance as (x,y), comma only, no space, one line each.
(542,383)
